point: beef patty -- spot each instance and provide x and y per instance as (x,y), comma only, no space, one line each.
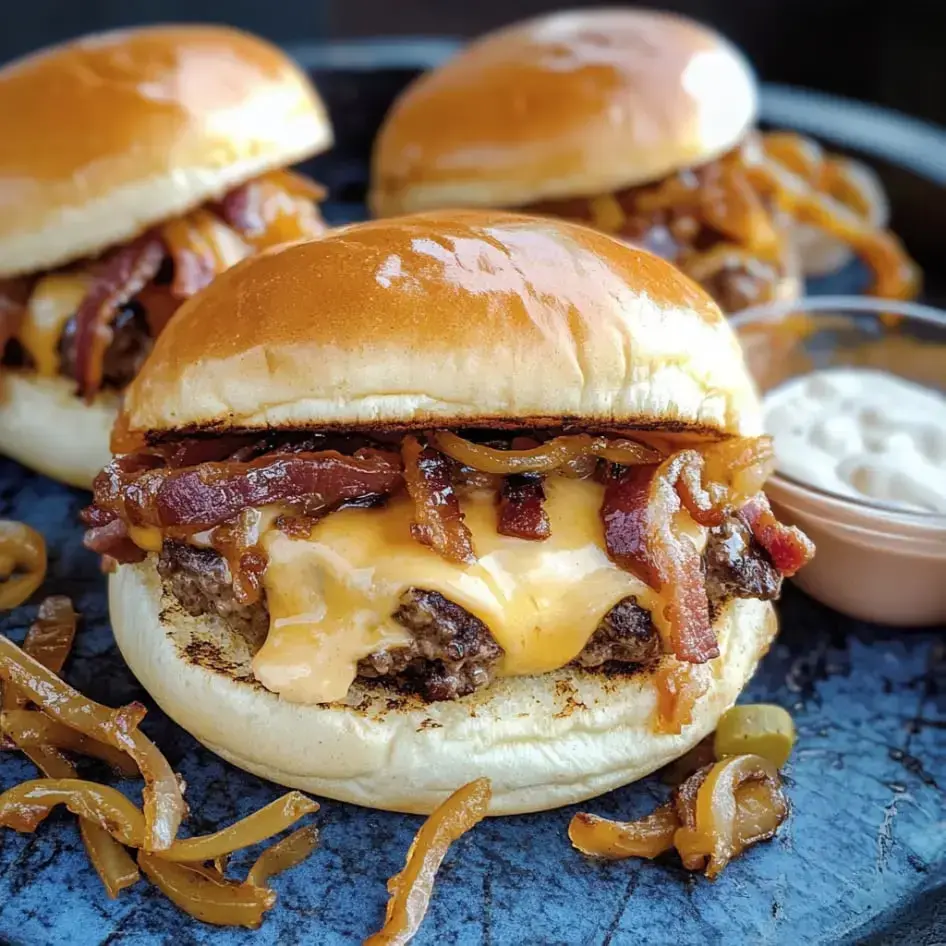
(452,652)
(131,342)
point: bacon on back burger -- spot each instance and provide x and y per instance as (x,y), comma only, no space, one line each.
(442,497)
(134,167)
(641,124)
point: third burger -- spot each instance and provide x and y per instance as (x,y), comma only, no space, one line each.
(641,124)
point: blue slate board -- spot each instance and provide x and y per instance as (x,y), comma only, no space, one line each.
(865,846)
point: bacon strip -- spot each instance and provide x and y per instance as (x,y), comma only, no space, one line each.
(202,246)
(279,207)
(438,517)
(119,276)
(521,510)
(789,548)
(112,540)
(638,512)
(196,498)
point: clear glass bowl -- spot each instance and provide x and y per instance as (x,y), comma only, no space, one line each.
(873,562)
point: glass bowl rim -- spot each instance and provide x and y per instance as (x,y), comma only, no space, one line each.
(774,311)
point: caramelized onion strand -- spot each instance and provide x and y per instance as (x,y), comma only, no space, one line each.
(22,563)
(649,837)
(111,861)
(411,889)
(284,854)
(205,894)
(268,821)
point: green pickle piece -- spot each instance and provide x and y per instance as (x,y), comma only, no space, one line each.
(755,729)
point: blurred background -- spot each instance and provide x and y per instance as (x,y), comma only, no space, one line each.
(888,53)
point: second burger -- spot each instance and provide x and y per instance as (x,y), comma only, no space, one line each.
(134,167)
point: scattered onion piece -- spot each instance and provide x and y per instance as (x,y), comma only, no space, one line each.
(61,701)
(164,805)
(714,831)
(713,817)
(615,840)
(111,861)
(207,895)
(411,889)
(286,853)
(262,824)
(30,729)
(22,563)
(163,802)
(27,805)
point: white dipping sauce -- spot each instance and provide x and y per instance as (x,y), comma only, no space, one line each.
(864,434)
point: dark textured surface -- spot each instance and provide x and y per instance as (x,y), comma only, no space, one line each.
(863,849)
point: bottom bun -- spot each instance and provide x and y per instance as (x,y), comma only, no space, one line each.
(46,427)
(544,741)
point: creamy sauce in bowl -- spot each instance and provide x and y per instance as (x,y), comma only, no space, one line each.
(864,434)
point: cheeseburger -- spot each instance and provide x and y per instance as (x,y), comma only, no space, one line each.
(442,497)
(134,167)
(641,124)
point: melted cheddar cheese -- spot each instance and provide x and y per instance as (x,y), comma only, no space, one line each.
(53,302)
(332,596)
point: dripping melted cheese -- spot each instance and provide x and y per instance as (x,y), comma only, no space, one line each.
(53,302)
(332,597)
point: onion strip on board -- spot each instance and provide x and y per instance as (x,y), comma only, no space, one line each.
(716,827)
(411,889)
(111,861)
(30,729)
(205,894)
(285,853)
(713,816)
(649,837)
(22,563)
(27,805)
(164,804)
(268,821)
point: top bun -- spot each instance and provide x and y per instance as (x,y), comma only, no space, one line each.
(448,319)
(106,135)
(568,105)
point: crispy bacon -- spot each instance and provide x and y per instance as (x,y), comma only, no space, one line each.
(789,548)
(279,207)
(237,542)
(111,539)
(202,246)
(197,498)
(438,517)
(638,513)
(119,275)
(521,510)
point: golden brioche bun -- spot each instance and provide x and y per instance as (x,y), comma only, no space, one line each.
(566,105)
(106,135)
(44,426)
(447,319)
(545,741)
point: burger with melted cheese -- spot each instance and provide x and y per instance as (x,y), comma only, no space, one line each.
(641,124)
(134,167)
(446,496)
